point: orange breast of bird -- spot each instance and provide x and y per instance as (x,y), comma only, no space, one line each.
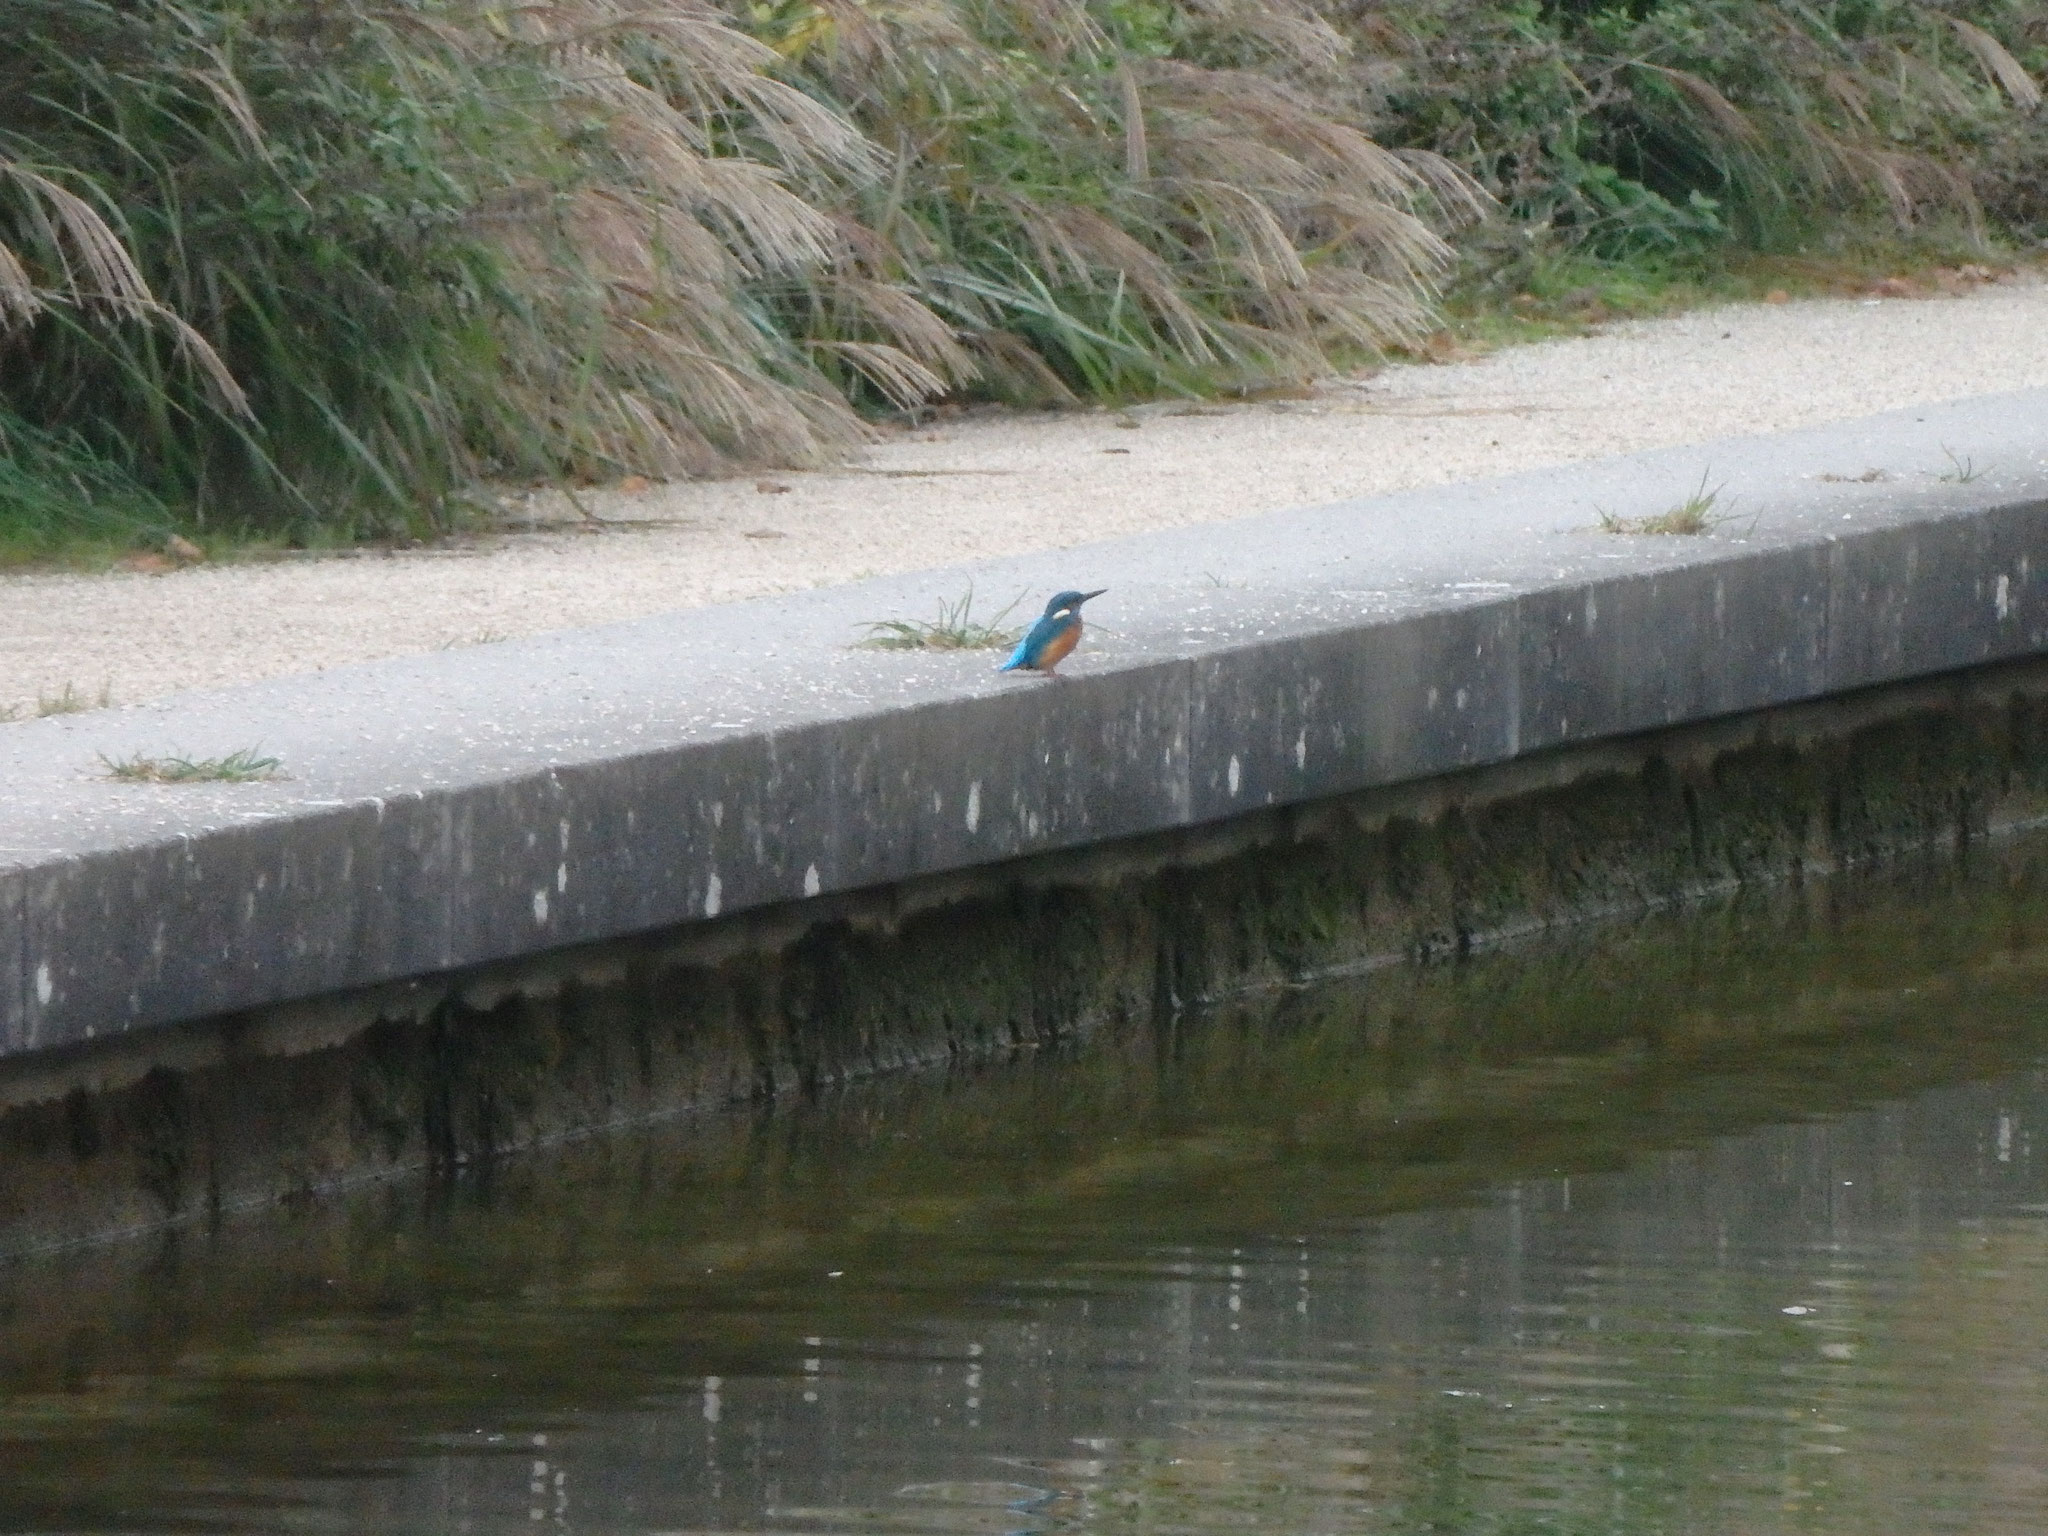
(1059,647)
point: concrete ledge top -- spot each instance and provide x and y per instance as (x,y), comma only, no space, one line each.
(473,805)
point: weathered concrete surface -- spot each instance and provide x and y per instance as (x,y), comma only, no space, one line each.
(189,1123)
(469,807)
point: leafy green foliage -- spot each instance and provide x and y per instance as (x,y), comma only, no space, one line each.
(1671,125)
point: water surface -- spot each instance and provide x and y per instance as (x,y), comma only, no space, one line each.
(1729,1221)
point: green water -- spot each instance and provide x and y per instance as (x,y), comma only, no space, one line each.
(1727,1222)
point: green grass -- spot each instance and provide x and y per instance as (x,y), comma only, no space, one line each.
(1961,471)
(247,765)
(1569,293)
(67,700)
(1689,518)
(955,629)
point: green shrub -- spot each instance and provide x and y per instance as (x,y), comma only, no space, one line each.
(1668,125)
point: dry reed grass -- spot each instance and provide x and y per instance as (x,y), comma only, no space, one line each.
(317,265)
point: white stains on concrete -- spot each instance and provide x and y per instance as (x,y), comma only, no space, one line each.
(1461,699)
(540,906)
(1236,775)
(718,813)
(45,987)
(974,805)
(2004,598)
(812,884)
(714,895)
(1301,749)
(562,877)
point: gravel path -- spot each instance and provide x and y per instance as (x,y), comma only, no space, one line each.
(992,484)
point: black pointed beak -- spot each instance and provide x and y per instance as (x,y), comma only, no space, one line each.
(1096,593)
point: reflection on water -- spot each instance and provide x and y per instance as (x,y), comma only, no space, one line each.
(1728,1222)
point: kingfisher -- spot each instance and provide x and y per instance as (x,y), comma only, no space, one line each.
(1047,643)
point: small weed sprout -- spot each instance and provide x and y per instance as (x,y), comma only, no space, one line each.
(68,700)
(245,766)
(1694,515)
(484,636)
(955,629)
(1960,471)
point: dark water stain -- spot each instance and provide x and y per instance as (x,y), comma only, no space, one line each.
(1723,1221)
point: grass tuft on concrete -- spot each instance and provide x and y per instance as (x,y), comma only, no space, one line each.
(244,766)
(1961,470)
(955,629)
(1691,517)
(68,700)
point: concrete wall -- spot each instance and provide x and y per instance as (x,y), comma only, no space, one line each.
(190,1122)
(467,808)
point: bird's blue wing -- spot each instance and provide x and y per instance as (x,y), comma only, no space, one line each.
(1033,645)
